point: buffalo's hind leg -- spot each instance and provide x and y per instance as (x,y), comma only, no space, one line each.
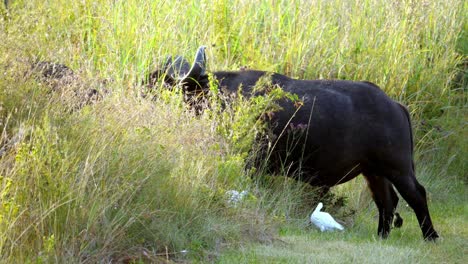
(386,200)
(415,195)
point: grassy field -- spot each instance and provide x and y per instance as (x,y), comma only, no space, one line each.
(132,179)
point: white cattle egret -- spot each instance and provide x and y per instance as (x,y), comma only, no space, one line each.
(234,197)
(324,220)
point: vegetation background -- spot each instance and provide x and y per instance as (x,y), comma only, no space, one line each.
(132,179)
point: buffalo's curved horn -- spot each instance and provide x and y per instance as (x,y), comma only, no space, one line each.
(178,68)
(198,67)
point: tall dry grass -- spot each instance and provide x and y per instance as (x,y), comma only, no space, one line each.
(130,179)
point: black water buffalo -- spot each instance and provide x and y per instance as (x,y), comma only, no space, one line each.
(348,128)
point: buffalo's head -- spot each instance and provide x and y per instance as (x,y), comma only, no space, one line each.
(177,72)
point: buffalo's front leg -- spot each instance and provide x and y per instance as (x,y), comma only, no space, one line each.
(386,200)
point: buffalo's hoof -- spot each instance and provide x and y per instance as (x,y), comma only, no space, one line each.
(398,222)
(433,236)
(383,235)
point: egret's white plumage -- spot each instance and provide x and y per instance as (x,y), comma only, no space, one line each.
(324,221)
(234,197)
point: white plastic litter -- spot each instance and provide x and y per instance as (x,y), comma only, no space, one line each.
(324,221)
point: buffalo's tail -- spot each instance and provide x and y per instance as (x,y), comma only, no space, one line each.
(407,114)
